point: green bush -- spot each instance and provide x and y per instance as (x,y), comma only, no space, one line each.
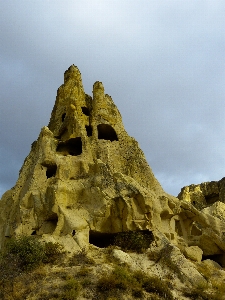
(137,241)
(53,252)
(25,253)
(29,251)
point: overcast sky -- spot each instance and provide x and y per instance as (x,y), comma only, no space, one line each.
(162,61)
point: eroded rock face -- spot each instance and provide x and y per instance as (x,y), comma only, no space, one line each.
(204,194)
(83,173)
(85,176)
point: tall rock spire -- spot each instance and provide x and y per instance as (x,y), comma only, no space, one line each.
(85,176)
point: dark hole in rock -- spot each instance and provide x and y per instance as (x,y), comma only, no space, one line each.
(85,111)
(73,233)
(193,202)
(101,240)
(128,240)
(34,232)
(212,198)
(63,116)
(51,170)
(219,258)
(106,132)
(71,147)
(89,130)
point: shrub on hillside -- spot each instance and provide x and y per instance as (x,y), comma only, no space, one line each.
(137,241)
(53,252)
(27,253)
(28,250)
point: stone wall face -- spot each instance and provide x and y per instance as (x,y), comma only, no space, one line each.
(204,194)
(86,174)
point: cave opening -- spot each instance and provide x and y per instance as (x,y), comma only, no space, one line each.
(107,132)
(100,239)
(85,111)
(89,130)
(51,170)
(71,147)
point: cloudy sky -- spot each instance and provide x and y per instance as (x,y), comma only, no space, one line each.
(162,61)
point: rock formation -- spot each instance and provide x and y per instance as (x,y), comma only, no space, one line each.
(85,179)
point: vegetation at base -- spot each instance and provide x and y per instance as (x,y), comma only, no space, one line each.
(27,250)
(21,255)
(137,241)
(202,294)
(80,257)
(137,282)
(72,289)
(26,253)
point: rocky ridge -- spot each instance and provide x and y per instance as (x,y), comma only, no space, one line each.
(86,180)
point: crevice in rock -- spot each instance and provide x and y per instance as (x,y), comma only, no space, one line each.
(178,228)
(70,147)
(106,132)
(63,116)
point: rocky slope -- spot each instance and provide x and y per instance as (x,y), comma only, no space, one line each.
(86,180)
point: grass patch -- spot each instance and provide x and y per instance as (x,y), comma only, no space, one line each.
(122,279)
(83,271)
(72,289)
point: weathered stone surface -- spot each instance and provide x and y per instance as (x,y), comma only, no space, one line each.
(194,253)
(204,194)
(85,176)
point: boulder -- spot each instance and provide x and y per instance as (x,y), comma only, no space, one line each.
(194,253)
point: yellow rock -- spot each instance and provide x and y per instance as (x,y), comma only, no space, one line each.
(85,176)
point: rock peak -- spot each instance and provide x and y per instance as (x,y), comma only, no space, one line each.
(86,178)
